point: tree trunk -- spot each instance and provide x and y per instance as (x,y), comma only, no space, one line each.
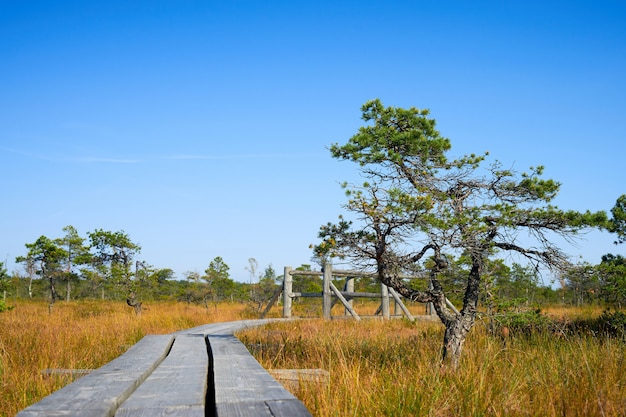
(133,302)
(53,295)
(454,339)
(68,289)
(457,329)
(53,291)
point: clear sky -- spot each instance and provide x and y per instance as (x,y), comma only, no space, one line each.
(201,128)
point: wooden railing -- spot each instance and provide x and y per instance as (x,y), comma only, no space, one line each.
(204,371)
(331,294)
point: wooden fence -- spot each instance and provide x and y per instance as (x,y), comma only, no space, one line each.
(345,296)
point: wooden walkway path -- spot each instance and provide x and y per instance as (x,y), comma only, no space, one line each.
(199,372)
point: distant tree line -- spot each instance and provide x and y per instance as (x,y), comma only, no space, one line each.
(107,265)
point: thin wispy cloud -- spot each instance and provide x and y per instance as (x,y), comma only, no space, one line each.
(235,156)
(26,154)
(70,159)
(130,160)
(123,160)
(95,159)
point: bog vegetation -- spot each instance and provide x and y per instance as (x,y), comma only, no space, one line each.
(566,364)
(560,361)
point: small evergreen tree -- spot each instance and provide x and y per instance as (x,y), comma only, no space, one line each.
(418,206)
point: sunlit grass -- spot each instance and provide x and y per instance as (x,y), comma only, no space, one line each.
(81,335)
(572,312)
(377,368)
(393,368)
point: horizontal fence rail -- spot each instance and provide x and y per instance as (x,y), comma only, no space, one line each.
(345,296)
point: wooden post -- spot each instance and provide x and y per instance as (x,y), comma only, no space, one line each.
(341,298)
(287,289)
(399,304)
(430,310)
(326,295)
(396,305)
(349,287)
(384,302)
(272,301)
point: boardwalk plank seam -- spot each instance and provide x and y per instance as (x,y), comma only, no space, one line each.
(152,379)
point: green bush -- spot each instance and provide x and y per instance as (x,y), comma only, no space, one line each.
(612,323)
(4,307)
(524,322)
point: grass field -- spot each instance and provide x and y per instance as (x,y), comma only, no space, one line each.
(392,369)
(377,368)
(81,335)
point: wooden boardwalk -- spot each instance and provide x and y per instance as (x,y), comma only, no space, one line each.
(204,371)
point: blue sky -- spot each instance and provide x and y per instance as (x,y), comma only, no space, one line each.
(201,128)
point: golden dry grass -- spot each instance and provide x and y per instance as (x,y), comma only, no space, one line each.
(392,369)
(81,335)
(377,368)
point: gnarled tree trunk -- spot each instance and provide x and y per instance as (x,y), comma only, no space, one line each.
(135,303)
(454,339)
(458,328)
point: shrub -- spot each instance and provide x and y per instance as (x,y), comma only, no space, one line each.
(613,324)
(4,306)
(524,322)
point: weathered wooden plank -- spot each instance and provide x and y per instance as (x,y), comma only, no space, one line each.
(177,387)
(291,378)
(287,408)
(227,327)
(278,408)
(243,409)
(242,386)
(100,393)
(178,411)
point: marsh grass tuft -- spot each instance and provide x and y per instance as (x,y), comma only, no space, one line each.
(393,368)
